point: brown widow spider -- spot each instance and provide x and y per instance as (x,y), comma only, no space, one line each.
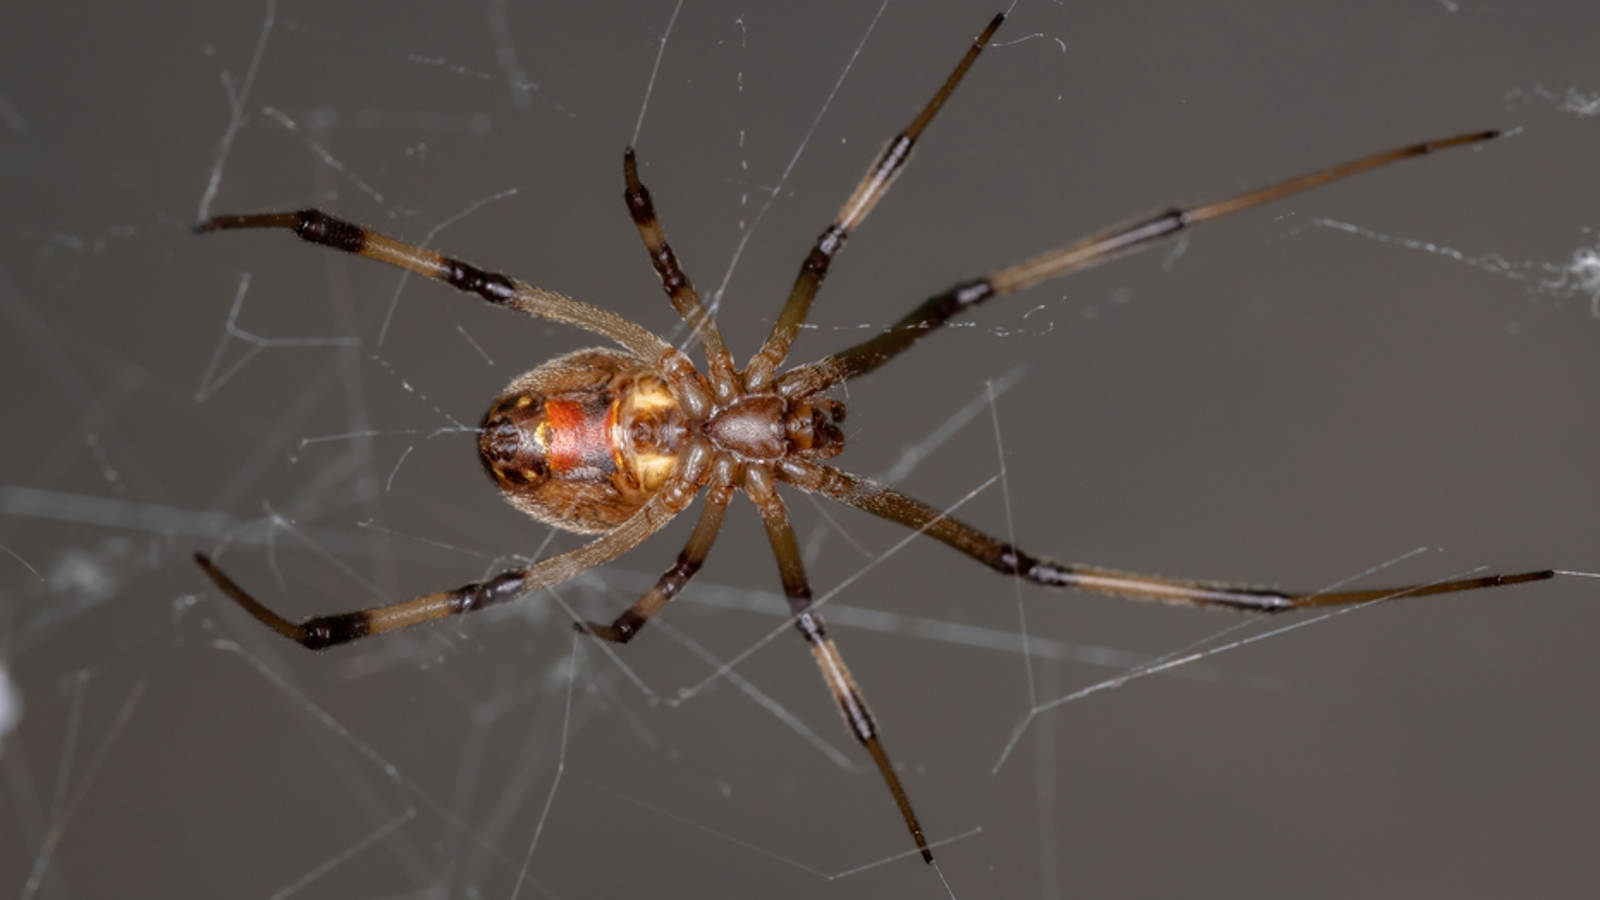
(617,442)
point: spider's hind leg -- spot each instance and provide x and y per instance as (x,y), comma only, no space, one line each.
(341,628)
(317,227)
(673,581)
(724,381)
(325,631)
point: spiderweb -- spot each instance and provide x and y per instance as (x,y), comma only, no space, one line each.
(1303,396)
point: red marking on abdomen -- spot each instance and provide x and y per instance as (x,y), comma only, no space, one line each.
(579,436)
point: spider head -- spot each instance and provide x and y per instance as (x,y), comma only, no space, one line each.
(812,426)
(581,442)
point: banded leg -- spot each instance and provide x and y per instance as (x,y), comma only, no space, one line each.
(724,381)
(325,631)
(758,484)
(1002,557)
(1081,254)
(673,581)
(759,373)
(317,227)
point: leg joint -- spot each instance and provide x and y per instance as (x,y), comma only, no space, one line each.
(325,631)
(491,286)
(500,589)
(318,227)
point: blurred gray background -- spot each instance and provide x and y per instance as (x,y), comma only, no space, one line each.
(1281,402)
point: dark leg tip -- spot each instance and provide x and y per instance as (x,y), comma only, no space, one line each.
(217,577)
(594,629)
(630,171)
(1519,578)
(927,856)
(207,566)
(604,632)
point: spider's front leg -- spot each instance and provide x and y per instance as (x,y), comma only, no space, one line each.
(758,483)
(935,312)
(1006,559)
(763,367)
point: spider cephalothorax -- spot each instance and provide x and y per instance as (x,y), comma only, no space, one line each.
(618,442)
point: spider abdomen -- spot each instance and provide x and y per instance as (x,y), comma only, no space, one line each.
(583,441)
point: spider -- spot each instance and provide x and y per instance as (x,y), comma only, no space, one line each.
(617,442)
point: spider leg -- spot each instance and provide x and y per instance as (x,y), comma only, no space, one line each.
(1002,557)
(724,381)
(1081,254)
(764,365)
(758,483)
(672,582)
(325,631)
(317,227)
